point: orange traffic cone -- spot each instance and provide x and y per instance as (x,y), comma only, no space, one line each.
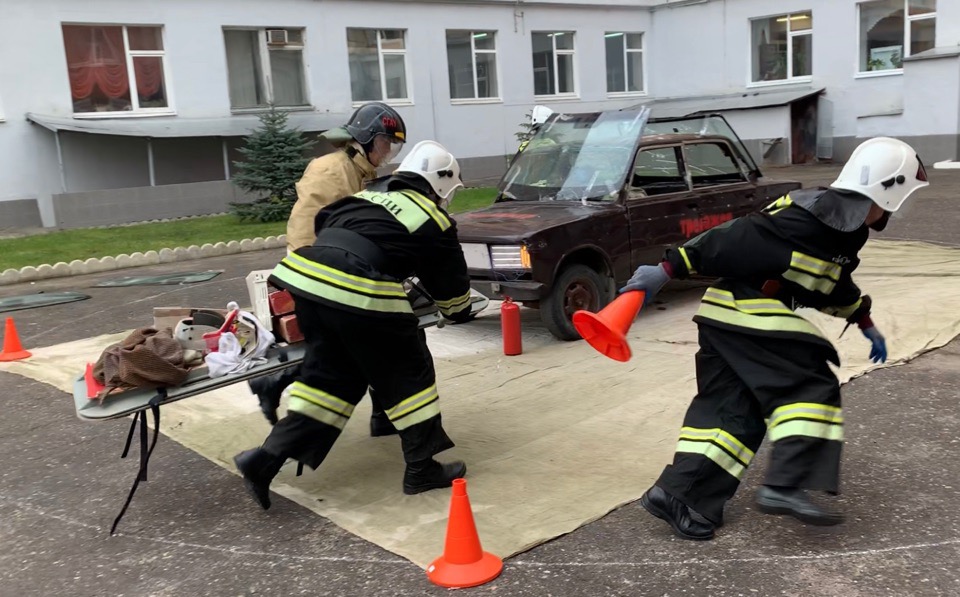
(606,330)
(463,563)
(12,350)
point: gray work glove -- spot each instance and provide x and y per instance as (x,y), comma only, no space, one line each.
(648,278)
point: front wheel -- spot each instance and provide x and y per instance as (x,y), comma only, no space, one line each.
(577,287)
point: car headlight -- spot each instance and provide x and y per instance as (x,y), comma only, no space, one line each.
(509,257)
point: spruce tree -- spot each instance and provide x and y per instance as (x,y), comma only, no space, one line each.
(276,157)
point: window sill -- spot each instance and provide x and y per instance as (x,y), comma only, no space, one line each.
(567,97)
(892,72)
(261,110)
(119,114)
(780,83)
(626,94)
(465,101)
(392,103)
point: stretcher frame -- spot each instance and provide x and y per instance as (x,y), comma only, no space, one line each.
(137,402)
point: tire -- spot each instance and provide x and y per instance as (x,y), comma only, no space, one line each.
(577,287)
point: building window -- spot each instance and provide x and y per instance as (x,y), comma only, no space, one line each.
(891,30)
(265,66)
(624,62)
(553,70)
(782,47)
(116,68)
(378,64)
(472,64)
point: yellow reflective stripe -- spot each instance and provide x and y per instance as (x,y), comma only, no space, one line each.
(317,413)
(817,267)
(807,410)
(418,416)
(808,429)
(749,306)
(455,304)
(408,405)
(296,280)
(809,282)
(766,323)
(319,405)
(844,312)
(686,261)
(779,205)
(430,207)
(321,398)
(714,453)
(720,437)
(329,274)
(400,206)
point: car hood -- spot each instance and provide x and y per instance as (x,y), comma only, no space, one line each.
(516,221)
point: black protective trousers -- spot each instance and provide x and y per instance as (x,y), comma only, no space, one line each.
(748,387)
(347,352)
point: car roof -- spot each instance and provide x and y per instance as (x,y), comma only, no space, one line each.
(678,138)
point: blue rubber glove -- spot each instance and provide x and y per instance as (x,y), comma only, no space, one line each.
(648,278)
(878,352)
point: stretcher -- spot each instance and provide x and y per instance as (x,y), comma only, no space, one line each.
(137,402)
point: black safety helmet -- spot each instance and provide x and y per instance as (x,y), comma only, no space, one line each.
(376,118)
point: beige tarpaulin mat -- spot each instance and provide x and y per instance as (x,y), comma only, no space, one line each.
(554,438)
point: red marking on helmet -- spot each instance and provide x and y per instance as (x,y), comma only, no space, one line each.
(921,171)
(389,122)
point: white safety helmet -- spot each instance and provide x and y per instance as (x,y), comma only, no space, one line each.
(436,165)
(539,115)
(886,170)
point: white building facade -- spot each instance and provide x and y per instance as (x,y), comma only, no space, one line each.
(114,111)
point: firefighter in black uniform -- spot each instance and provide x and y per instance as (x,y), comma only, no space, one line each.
(761,368)
(359,326)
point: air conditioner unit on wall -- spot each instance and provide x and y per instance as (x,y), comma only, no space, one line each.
(276,37)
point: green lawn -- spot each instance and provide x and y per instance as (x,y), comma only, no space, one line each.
(84,243)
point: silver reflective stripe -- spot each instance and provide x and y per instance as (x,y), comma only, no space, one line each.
(331,293)
(714,453)
(430,208)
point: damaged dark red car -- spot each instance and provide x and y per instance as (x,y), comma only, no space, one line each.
(593,196)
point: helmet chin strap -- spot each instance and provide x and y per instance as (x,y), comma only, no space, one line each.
(881,223)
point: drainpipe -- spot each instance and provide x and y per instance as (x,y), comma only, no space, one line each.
(63,178)
(153,176)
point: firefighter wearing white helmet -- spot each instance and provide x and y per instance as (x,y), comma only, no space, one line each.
(359,326)
(762,369)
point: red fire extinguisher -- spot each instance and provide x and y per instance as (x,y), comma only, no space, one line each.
(510,324)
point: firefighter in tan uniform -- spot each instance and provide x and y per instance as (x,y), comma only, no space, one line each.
(359,326)
(371,138)
(762,369)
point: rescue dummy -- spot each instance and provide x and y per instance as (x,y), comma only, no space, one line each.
(761,368)
(359,326)
(371,138)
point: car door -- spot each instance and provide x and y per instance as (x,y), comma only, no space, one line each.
(657,190)
(720,187)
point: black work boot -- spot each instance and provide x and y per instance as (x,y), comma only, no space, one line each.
(258,468)
(664,506)
(380,424)
(425,475)
(796,503)
(269,388)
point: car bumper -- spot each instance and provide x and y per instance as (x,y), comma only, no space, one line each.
(518,291)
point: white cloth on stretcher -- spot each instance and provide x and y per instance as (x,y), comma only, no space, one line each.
(230,356)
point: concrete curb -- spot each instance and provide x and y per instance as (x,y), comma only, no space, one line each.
(124,261)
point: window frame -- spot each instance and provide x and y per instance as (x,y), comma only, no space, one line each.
(267,69)
(568,95)
(406,101)
(789,79)
(907,20)
(135,110)
(498,99)
(643,64)
(737,162)
(637,194)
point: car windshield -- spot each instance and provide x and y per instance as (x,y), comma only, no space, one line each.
(576,157)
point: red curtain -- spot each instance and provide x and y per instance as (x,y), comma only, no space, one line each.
(148,71)
(96,62)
